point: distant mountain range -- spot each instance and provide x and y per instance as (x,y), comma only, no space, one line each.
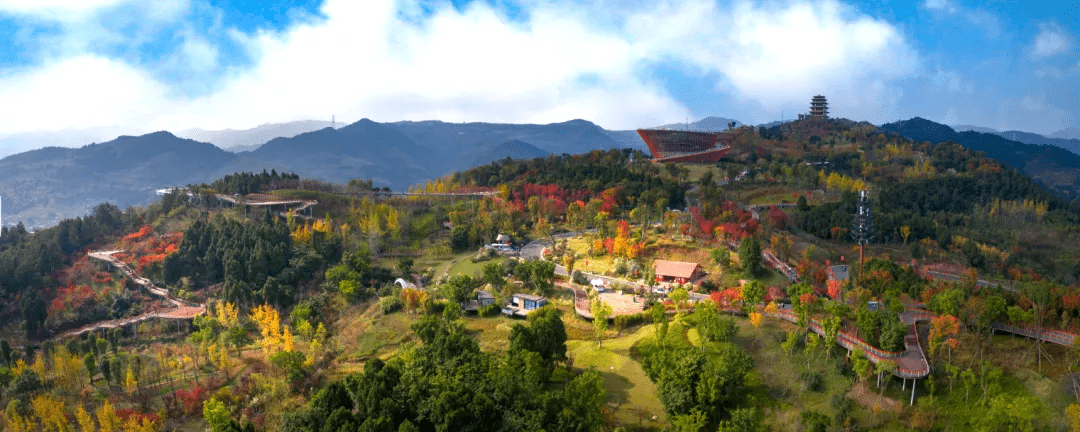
(250,139)
(1068,139)
(707,124)
(1054,167)
(1067,133)
(42,187)
(70,137)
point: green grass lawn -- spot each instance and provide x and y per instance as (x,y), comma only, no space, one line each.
(467,267)
(631,394)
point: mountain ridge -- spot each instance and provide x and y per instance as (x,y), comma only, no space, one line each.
(1053,167)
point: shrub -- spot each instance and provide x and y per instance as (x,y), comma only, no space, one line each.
(579,278)
(489,310)
(436,307)
(386,290)
(391,304)
(812,381)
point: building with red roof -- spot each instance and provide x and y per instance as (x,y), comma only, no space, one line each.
(677,271)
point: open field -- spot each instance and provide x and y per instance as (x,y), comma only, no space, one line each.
(631,394)
(469,268)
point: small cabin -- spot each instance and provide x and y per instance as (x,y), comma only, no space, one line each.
(522,304)
(677,271)
(503,239)
(528,301)
(485,298)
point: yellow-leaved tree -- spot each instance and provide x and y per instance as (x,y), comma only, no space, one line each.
(755,318)
(86,422)
(227,313)
(15,422)
(131,384)
(107,419)
(140,424)
(273,338)
(51,413)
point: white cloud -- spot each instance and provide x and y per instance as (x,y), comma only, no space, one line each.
(1051,40)
(80,92)
(952,82)
(564,62)
(55,9)
(942,5)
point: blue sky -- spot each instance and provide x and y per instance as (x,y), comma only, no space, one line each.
(179,64)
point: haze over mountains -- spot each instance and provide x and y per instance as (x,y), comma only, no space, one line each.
(1054,167)
(42,187)
(1068,139)
(250,139)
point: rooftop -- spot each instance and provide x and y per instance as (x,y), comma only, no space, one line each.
(675,268)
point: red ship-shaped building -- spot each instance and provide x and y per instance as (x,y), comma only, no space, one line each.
(685,146)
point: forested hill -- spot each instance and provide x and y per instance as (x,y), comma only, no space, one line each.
(41,187)
(1054,167)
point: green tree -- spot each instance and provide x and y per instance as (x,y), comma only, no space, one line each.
(694,421)
(831,327)
(679,296)
(216,414)
(750,255)
(860,364)
(459,288)
(742,420)
(884,367)
(601,311)
(721,257)
(582,403)
(91,366)
(752,293)
(405,265)
(538,276)
(815,421)
(659,319)
(711,326)
(493,274)
(5,352)
(545,335)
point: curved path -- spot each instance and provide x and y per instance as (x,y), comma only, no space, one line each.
(910,363)
(181,309)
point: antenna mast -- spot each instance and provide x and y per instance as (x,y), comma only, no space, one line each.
(862,230)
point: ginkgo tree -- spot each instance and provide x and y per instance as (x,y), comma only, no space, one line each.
(274,339)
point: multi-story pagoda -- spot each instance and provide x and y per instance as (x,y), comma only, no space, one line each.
(819,107)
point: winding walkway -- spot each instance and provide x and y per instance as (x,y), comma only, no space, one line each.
(180,309)
(910,363)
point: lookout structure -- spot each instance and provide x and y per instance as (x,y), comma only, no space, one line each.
(819,107)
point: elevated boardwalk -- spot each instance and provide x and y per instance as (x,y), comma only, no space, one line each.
(1053,336)
(180,309)
(910,363)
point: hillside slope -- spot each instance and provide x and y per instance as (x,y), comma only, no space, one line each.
(41,187)
(1054,167)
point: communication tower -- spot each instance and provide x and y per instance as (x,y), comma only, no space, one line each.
(862,227)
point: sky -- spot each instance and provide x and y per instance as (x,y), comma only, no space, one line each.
(215,64)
